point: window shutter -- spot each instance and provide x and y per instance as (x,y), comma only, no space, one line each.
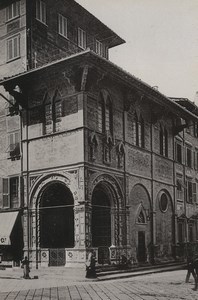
(5,192)
(194,192)
(194,160)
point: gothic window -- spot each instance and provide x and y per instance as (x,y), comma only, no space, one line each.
(165,142)
(139,133)
(57,114)
(100,115)
(105,114)
(48,123)
(141,217)
(52,114)
(163,139)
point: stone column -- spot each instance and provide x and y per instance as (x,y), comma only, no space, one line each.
(153,235)
(79,224)
(25,233)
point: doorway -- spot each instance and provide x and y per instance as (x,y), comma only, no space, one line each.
(56,217)
(141,255)
(101,218)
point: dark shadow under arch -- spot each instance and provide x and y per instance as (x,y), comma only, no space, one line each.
(101,217)
(56,216)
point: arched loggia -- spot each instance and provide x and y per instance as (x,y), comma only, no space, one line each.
(56,216)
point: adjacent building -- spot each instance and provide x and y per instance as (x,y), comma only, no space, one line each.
(90,156)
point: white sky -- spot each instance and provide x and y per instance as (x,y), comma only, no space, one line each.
(161,41)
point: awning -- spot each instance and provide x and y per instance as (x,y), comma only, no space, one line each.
(7,221)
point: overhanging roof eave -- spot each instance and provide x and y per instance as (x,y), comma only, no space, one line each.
(123,76)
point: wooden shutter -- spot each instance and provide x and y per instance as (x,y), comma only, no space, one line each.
(194,160)
(6,192)
(194,191)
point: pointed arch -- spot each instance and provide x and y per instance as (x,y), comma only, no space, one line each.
(139,130)
(52,110)
(163,139)
(105,112)
(57,111)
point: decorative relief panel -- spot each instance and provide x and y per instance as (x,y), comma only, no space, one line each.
(163,169)
(139,162)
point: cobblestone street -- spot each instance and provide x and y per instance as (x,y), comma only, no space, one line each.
(169,285)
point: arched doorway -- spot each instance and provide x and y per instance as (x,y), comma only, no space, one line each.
(101,218)
(140,224)
(56,217)
(102,222)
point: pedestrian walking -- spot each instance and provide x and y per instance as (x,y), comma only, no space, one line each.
(26,268)
(91,265)
(195,267)
(190,269)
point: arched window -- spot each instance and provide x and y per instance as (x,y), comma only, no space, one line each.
(139,131)
(163,137)
(142,134)
(141,217)
(165,142)
(108,115)
(48,121)
(52,113)
(136,130)
(105,114)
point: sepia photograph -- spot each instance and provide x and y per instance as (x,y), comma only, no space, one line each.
(98,149)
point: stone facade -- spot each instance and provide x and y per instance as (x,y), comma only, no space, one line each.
(98,161)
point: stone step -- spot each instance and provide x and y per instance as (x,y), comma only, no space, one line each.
(136,271)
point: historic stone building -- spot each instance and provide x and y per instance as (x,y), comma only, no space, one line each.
(90,156)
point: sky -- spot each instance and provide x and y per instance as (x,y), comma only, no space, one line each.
(161,41)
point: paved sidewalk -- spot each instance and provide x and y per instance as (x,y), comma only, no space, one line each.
(12,279)
(47,277)
(159,286)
